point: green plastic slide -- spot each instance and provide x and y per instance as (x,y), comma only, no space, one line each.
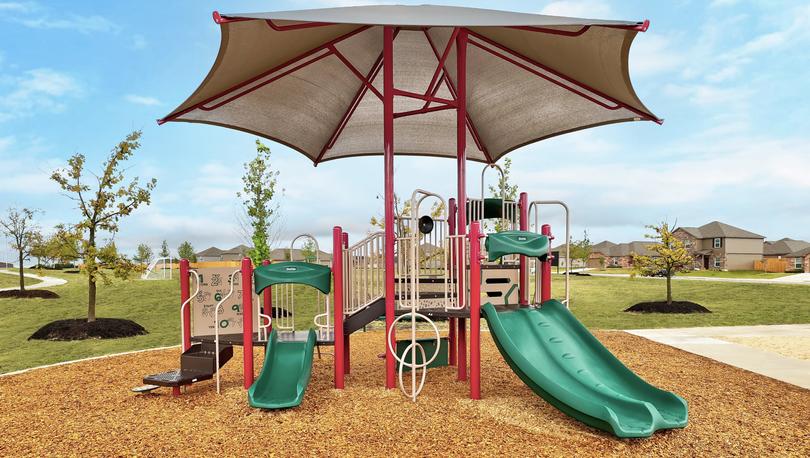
(285,374)
(556,356)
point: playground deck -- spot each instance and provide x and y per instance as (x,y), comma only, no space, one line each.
(87,409)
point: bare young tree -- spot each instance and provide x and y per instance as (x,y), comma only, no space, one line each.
(19,225)
(102,207)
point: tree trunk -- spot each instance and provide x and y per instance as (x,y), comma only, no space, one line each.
(91,277)
(669,289)
(22,277)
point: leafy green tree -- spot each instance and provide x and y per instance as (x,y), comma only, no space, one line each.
(164,250)
(18,224)
(64,245)
(259,189)
(671,256)
(39,249)
(144,254)
(102,207)
(308,251)
(186,251)
(505,189)
(581,250)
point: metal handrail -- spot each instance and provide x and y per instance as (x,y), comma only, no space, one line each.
(185,304)
(364,259)
(534,205)
(232,278)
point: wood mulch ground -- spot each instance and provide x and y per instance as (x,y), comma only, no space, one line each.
(86,409)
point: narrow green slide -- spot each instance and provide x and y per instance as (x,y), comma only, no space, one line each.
(556,356)
(285,373)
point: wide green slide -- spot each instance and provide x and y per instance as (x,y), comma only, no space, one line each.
(285,374)
(556,356)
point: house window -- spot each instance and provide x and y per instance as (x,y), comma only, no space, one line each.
(798,264)
(717,261)
(718,242)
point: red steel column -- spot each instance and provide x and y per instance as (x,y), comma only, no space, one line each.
(346,337)
(461,165)
(268,300)
(388,150)
(185,292)
(451,229)
(337,274)
(475,310)
(545,267)
(247,321)
(523,285)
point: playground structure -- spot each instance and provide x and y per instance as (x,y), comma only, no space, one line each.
(424,267)
(159,269)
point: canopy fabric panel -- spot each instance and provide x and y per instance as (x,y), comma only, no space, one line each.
(293,272)
(311,79)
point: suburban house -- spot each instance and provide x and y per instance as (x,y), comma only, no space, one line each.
(722,246)
(238,252)
(609,254)
(795,252)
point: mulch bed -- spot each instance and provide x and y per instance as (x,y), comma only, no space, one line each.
(28,294)
(663,307)
(80,329)
(86,409)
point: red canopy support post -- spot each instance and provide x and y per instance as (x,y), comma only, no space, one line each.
(523,204)
(185,293)
(452,209)
(545,267)
(337,273)
(388,160)
(475,310)
(347,349)
(461,164)
(247,321)
(267,297)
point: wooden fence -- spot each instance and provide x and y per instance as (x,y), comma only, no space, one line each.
(771,265)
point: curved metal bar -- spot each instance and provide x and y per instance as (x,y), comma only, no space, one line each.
(185,304)
(314,240)
(231,277)
(533,205)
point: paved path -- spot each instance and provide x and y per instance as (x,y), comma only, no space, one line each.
(705,342)
(797,279)
(44,282)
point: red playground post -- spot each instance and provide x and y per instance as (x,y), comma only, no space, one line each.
(268,300)
(523,282)
(545,269)
(461,164)
(337,273)
(185,292)
(390,238)
(475,310)
(247,321)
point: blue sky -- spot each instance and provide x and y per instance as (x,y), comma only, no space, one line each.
(729,77)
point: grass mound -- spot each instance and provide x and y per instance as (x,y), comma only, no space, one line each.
(28,294)
(663,307)
(80,329)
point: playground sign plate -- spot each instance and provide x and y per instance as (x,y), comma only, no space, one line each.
(214,285)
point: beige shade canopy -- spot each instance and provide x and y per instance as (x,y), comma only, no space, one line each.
(311,79)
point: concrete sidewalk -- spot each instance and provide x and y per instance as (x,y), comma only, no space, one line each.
(707,342)
(44,282)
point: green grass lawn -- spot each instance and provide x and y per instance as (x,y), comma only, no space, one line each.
(13,281)
(705,273)
(597,301)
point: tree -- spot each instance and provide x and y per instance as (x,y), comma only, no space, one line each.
(64,245)
(581,249)
(39,249)
(308,251)
(144,254)
(164,250)
(257,193)
(186,251)
(19,225)
(504,190)
(670,256)
(102,208)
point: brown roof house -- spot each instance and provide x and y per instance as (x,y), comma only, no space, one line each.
(795,252)
(609,254)
(722,246)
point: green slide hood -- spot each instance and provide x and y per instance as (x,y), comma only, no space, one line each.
(526,243)
(296,272)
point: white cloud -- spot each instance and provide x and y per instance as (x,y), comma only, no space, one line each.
(18,7)
(36,90)
(139,42)
(655,54)
(578,8)
(82,24)
(142,100)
